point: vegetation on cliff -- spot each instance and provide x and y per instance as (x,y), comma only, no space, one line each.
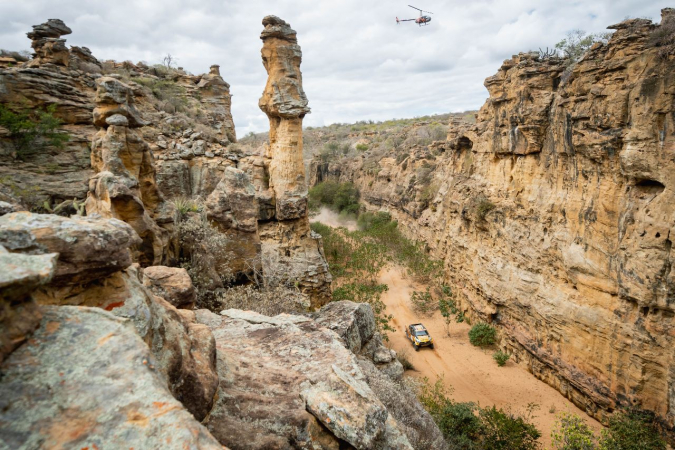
(32,130)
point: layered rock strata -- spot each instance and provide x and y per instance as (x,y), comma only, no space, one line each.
(554,216)
(290,251)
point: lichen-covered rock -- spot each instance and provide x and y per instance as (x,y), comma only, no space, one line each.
(355,324)
(19,313)
(87,380)
(173,284)
(89,247)
(288,382)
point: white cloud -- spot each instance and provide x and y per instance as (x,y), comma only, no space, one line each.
(357,63)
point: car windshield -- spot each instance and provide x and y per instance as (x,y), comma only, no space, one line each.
(421,333)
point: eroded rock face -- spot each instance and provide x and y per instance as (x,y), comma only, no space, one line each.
(76,401)
(215,95)
(297,380)
(290,252)
(125,186)
(574,261)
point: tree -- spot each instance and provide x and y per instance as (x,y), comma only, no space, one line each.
(169,61)
(577,43)
(32,130)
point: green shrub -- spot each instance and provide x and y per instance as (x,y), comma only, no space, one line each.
(482,335)
(347,198)
(467,426)
(183,206)
(369,220)
(500,357)
(339,196)
(31,130)
(632,430)
(483,207)
(361,147)
(570,432)
(504,431)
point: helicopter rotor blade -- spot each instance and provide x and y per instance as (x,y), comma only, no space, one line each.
(414,7)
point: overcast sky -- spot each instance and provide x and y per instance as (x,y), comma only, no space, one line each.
(358,64)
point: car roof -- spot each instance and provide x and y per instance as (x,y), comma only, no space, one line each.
(418,327)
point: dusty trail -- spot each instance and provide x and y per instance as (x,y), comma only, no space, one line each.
(472,373)
(331,218)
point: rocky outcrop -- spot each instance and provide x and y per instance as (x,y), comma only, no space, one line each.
(94,269)
(554,217)
(173,284)
(124,186)
(297,380)
(290,251)
(90,382)
(355,324)
(48,47)
(215,95)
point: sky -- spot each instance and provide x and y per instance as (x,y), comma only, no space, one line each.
(358,64)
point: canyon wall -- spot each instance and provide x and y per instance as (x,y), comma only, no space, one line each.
(555,214)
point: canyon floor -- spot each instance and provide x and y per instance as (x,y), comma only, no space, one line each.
(470,371)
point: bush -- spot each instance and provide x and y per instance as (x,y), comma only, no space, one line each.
(361,147)
(483,207)
(632,430)
(269,301)
(570,432)
(500,357)
(504,431)
(482,335)
(663,37)
(467,426)
(340,196)
(31,130)
(577,43)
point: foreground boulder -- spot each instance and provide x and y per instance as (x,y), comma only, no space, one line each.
(287,382)
(87,380)
(94,269)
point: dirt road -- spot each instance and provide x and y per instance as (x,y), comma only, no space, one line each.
(470,371)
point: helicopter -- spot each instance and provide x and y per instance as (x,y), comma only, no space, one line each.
(421,20)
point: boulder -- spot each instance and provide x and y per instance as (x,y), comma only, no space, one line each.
(288,382)
(88,247)
(173,284)
(87,380)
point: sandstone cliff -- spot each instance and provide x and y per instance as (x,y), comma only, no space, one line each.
(554,216)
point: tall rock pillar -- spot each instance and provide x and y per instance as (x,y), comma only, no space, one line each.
(291,252)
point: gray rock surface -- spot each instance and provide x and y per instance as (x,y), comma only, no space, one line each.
(88,247)
(286,382)
(86,380)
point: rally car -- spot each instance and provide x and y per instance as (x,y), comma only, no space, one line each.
(419,336)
